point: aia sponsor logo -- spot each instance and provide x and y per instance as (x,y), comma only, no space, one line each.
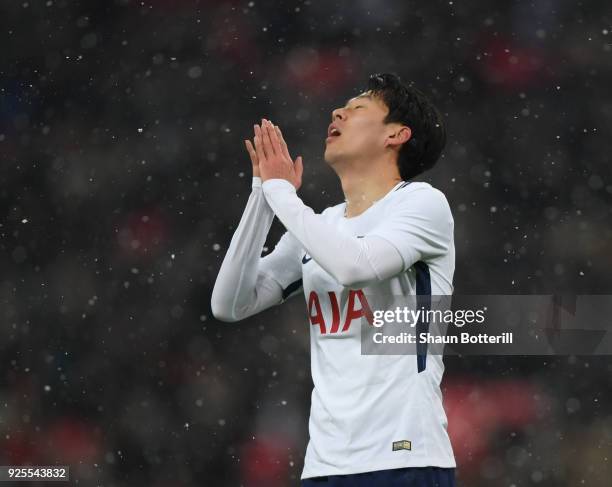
(357,307)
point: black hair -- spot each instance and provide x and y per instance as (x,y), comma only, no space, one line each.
(411,107)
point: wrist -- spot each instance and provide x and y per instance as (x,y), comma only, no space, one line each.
(274,184)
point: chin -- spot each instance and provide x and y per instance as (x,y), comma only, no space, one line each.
(329,158)
(337,160)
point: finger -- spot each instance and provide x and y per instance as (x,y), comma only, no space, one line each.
(267,142)
(254,159)
(283,144)
(299,168)
(261,156)
(276,145)
(251,151)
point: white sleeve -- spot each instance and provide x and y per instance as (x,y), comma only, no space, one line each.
(247,283)
(352,261)
(419,225)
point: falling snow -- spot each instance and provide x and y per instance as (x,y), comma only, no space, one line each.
(124,177)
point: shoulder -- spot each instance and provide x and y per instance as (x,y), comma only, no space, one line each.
(335,211)
(417,190)
(422,197)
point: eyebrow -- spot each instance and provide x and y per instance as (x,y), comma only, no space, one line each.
(357,98)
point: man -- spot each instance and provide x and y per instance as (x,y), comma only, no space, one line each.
(374,419)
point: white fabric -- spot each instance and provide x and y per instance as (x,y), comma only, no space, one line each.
(360,404)
(248,284)
(351,261)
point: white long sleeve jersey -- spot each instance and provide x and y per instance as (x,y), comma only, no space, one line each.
(361,405)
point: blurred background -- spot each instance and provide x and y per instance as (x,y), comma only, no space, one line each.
(124,175)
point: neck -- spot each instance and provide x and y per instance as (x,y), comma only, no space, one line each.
(363,188)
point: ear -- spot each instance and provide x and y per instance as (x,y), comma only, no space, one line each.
(400,135)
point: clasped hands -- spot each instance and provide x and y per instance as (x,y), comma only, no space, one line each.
(270,157)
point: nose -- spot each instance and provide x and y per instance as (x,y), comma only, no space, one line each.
(338,113)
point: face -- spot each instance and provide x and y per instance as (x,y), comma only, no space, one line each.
(362,133)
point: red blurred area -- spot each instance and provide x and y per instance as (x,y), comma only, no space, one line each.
(142,233)
(509,66)
(19,449)
(71,442)
(319,72)
(478,410)
(266,462)
(66,441)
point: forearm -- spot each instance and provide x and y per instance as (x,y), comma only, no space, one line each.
(240,289)
(352,261)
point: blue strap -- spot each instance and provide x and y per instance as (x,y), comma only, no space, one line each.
(423,301)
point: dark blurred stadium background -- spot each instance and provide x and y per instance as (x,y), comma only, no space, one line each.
(124,174)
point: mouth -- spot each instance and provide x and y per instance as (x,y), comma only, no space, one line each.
(332,134)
